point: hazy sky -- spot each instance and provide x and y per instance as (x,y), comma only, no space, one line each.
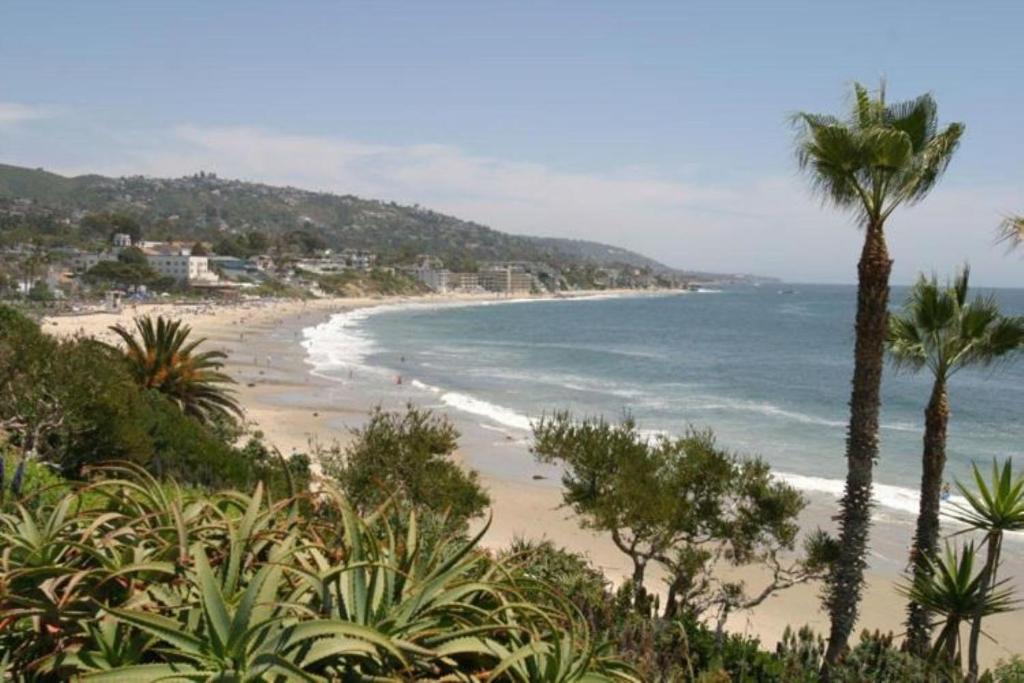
(660,127)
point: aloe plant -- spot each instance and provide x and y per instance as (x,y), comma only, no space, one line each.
(995,507)
(127,578)
(953,590)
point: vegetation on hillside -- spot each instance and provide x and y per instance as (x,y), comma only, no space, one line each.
(241,218)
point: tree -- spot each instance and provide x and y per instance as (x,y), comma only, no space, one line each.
(198,249)
(106,225)
(258,242)
(882,157)
(40,292)
(1012,231)
(683,503)
(995,508)
(133,256)
(226,246)
(409,455)
(941,330)
(163,359)
(118,273)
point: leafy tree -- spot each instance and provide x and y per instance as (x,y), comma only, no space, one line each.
(162,358)
(409,455)
(941,330)
(881,157)
(307,241)
(133,256)
(258,242)
(120,273)
(683,503)
(106,225)
(994,507)
(198,249)
(226,246)
(40,292)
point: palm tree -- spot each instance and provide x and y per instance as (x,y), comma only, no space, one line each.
(882,157)
(996,507)
(161,358)
(1012,231)
(952,589)
(941,330)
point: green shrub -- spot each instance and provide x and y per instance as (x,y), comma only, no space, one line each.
(407,455)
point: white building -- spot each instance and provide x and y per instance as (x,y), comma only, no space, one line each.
(182,267)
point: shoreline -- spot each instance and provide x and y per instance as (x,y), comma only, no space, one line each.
(293,406)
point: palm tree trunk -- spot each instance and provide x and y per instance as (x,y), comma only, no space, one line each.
(847,577)
(994,547)
(926,538)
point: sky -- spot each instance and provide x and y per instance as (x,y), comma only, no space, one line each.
(660,127)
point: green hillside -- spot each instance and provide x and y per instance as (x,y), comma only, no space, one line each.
(207,207)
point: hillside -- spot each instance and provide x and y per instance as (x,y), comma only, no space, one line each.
(205,206)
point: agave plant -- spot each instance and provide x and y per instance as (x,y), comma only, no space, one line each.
(162,358)
(997,506)
(130,579)
(953,590)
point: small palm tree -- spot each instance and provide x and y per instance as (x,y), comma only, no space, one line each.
(881,157)
(941,330)
(953,590)
(163,359)
(995,508)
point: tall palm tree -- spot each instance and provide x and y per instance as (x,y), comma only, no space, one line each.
(163,359)
(1012,231)
(941,330)
(953,590)
(879,158)
(995,508)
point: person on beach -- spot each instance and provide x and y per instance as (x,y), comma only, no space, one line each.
(946,493)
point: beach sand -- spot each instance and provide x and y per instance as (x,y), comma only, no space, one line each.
(293,407)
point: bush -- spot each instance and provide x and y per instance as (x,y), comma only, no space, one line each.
(77,405)
(407,455)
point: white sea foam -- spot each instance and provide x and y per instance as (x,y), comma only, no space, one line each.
(340,343)
(491,411)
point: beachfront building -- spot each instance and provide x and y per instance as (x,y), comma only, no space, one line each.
(182,267)
(442,280)
(506,280)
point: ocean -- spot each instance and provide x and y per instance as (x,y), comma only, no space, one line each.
(766,368)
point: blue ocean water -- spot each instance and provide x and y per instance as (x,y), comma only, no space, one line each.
(768,369)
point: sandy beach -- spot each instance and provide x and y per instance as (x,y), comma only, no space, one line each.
(293,407)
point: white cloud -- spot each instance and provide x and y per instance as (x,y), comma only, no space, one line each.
(769,226)
(14,112)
